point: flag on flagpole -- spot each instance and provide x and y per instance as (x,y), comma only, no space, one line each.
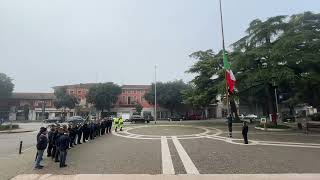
(231,80)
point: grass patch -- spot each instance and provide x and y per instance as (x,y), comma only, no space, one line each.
(7,127)
(273,126)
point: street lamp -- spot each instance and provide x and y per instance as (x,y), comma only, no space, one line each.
(275,95)
(155,94)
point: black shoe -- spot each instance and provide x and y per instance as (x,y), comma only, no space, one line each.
(56,161)
(63,166)
(38,167)
(48,155)
(79,143)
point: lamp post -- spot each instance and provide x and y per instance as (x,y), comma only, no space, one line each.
(275,96)
(155,94)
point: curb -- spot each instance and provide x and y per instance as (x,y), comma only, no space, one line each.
(12,132)
(272,129)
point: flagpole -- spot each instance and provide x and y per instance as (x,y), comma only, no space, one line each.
(223,51)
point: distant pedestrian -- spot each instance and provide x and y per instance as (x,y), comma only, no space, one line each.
(41,146)
(63,144)
(230,120)
(245,130)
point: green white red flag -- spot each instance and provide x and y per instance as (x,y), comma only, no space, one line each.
(231,80)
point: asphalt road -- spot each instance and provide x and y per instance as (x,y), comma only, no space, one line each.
(191,148)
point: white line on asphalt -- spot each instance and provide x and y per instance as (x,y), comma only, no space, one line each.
(167,166)
(186,161)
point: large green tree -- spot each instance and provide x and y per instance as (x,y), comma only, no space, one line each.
(6,86)
(281,52)
(104,95)
(64,100)
(169,95)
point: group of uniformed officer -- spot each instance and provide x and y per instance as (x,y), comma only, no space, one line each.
(61,138)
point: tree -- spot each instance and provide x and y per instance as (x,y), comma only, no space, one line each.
(64,100)
(104,95)
(138,108)
(6,86)
(281,52)
(275,52)
(169,95)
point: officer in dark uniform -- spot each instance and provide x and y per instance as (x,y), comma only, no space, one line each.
(57,154)
(79,132)
(245,130)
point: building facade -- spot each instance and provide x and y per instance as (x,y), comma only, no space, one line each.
(31,106)
(127,100)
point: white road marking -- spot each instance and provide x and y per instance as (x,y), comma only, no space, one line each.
(167,165)
(186,161)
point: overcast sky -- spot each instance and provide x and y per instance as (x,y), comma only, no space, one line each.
(44,43)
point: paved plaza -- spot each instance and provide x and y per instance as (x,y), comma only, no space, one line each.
(184,148)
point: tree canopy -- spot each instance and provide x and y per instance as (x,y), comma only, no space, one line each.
(281,52)
(6,86)
(104,95)
(64,100)
(169,95)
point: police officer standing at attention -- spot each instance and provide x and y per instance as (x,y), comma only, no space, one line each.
(63,144)
(245,130)
(79,131)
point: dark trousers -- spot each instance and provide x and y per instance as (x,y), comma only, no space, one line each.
(230,129)
(49,150)
(53,152)
(63,156)
(79,138)
(56,158)
(109,128)
(71,141)
(245,137)
(91,135)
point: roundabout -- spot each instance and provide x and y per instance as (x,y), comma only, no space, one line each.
(155,132)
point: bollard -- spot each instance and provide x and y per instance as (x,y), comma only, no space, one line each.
(20,148)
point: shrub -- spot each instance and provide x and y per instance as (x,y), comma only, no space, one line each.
(7,127)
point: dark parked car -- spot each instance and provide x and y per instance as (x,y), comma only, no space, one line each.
(76,120)
(176,118)
(53,120)
(138,118)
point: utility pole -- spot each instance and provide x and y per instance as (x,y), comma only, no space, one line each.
(155,94)
(223,51)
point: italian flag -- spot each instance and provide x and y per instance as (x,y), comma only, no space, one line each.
(231,80)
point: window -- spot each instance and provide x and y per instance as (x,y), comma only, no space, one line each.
(79,92)
(141,99)
(135,91)
(124,99)
(71,92)
(123,91)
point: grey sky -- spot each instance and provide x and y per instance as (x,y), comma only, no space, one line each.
(44,43)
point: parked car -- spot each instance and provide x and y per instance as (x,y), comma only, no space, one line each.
(76,120)
(53,120)
(251,117)
(194,117)
(149,118)
(138,118)
(176,118)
